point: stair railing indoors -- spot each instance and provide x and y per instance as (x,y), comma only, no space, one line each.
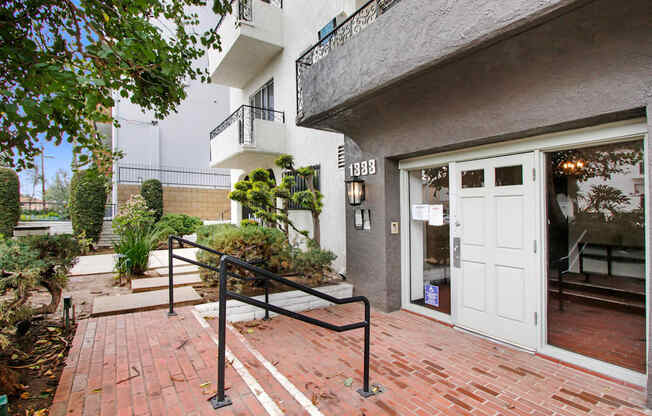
(259,274)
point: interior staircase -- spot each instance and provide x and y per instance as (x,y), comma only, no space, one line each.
(613,292)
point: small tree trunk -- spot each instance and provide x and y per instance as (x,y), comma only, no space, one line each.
(56,292)
(316,229)
(285,209)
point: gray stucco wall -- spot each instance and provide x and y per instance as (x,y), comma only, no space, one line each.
(582,68)
(412,36)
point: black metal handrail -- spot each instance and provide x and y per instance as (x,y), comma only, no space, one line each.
(245,116)
(220,399)
(351,26)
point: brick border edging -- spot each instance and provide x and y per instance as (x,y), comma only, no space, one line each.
(549,358)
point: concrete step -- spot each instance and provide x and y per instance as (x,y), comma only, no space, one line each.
(178,270)
(145,301)
(159,283)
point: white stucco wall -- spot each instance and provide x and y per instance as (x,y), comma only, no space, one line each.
(301,22)
(181,140)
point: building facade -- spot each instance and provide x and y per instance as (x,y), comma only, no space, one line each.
(260,42)
(509,142)
(174,151)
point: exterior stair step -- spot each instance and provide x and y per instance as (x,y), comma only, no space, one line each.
(178,270)
(144,301)
(159,283)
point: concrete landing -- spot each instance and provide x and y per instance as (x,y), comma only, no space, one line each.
(136,302)
(158,283)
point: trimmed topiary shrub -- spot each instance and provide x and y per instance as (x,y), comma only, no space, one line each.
(87,203)
(9,201)
(152,191)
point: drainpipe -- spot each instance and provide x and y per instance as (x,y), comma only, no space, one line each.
(114,144)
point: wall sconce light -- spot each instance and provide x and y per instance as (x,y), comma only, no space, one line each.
(355,191)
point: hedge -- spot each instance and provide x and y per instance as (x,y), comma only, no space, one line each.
(9,201)
(152,191)
(87,203)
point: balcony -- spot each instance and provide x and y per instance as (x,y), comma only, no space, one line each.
(388,42)
(251,36)
(251,137)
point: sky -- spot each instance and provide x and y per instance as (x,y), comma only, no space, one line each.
(57,157)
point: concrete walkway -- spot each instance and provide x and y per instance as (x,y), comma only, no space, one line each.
(148,364)
(103,263)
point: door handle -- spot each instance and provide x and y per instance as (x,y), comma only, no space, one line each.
(457,256)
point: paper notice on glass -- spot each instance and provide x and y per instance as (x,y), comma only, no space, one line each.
(420,212)
(436,215)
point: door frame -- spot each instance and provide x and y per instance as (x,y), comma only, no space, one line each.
(590,136)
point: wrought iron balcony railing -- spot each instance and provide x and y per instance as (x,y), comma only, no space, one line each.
(244,116)
(245,10)
(359,20)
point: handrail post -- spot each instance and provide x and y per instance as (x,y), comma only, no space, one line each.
(171,312)
(220,400)
(266,318)
(365,391)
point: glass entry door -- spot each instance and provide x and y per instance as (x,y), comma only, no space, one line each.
(430,279)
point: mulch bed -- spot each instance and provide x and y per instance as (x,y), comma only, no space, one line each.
(31,367)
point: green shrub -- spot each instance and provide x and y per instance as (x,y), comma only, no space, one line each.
(134,217)
(269,246)
(152,191)
(206,231)
(9,201)
(177,225)
(138,236)
(87,203)
(313,262)
(27,262)
(182,224)
(133,251)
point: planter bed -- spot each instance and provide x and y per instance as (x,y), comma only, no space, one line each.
(294,300)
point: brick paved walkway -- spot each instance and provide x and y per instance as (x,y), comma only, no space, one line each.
(147,364)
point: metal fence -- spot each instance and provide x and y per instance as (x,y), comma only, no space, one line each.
(245,10)
(244,116)
(204,178)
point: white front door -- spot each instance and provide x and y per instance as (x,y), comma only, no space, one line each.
(496,289)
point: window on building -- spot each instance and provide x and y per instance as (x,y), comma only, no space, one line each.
(263,102)
(596,253)
(300,184)
(325,33)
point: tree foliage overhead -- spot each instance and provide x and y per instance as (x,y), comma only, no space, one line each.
(60,61)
